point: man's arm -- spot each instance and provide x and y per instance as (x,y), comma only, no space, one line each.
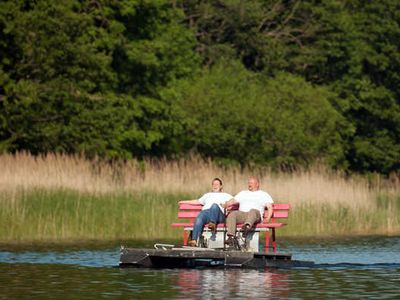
(269,208)
(229,203)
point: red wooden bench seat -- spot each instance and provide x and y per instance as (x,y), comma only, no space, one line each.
(190,212)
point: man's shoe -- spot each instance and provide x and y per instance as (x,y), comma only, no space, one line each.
(230,242)
(213,227)
(192,243)
(245,230)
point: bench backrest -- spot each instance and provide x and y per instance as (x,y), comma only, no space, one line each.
(190,211)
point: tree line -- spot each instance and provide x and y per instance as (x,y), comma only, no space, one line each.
(257,82)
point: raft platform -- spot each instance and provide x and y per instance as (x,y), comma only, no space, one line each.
(192,257)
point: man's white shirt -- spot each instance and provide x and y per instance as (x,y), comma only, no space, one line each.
(253,200)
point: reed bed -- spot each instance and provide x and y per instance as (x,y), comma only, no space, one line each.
(61,197)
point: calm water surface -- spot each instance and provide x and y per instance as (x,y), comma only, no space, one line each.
(356,268)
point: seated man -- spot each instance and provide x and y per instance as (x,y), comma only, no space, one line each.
(252,203)
(212,213)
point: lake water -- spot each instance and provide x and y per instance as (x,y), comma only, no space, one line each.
(353,268)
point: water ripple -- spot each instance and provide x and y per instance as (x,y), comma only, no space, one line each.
(367,268)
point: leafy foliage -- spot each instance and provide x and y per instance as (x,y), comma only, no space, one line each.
(74,80)
(233,114)
(278,83)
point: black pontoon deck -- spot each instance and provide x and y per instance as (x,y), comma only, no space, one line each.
(191,257)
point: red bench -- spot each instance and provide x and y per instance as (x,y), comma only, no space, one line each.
(189,212)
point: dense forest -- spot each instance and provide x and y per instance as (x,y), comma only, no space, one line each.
(257,82)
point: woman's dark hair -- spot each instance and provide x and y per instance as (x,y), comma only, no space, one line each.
(217,179)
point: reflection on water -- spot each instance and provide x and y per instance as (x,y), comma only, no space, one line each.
(29,281)
(232,283)
(363,268)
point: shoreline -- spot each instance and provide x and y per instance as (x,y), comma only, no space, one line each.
(45,245)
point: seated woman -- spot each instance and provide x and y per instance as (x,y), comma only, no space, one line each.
(212,212)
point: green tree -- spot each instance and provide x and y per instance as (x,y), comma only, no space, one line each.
(350,47)
(356,54)
(55,69)
(233,114)
(154,50)
(261,34)
(83,76)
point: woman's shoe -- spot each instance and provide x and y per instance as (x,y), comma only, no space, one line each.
(192,243)
(213,227)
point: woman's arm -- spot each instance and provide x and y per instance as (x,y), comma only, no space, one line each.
(194,201)
(229,203)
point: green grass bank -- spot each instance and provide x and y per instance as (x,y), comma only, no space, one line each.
(65,215)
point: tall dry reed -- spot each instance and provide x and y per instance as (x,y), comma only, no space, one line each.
(192,176)
(324,202)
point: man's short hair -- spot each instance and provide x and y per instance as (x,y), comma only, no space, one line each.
(255,178)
